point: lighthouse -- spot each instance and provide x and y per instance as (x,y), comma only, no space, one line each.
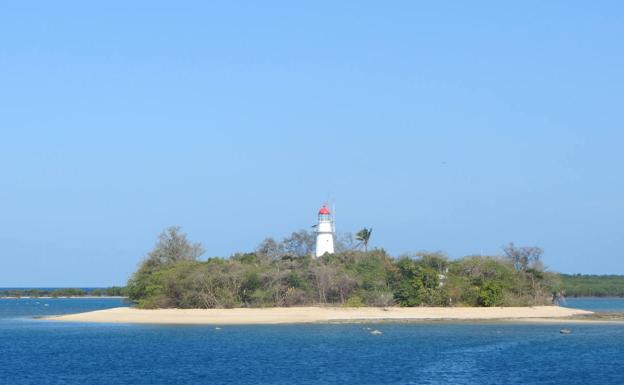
(324,232)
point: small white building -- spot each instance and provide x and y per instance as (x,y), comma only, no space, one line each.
(324,232)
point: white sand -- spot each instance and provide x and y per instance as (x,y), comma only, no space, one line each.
(314,314)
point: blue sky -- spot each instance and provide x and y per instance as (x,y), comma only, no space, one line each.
(454,126)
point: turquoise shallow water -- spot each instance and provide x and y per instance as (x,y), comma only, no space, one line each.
(43,352)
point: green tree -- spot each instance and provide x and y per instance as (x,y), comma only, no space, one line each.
(417,284)
(172,246)
(363,236)
(491,294)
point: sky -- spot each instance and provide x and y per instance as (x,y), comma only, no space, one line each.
(452,126)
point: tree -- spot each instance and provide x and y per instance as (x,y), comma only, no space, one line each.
(417,284)
(490,294)
(323,277)
(436,260)
(299,244)
(363,236)
(523,257)
(173,246)
(270,249)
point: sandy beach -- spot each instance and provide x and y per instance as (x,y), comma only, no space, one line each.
(242,316)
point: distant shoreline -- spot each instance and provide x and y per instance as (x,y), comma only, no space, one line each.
(292,315)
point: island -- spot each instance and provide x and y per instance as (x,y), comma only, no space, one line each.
(284,282)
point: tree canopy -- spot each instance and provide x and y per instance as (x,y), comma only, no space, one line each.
(283,273)
(363,236)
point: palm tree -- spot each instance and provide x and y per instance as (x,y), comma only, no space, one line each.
(364,236)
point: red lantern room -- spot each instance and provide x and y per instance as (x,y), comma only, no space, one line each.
(324,214)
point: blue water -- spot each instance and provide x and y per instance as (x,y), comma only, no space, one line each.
(43,352)
(27,308)
(596,304)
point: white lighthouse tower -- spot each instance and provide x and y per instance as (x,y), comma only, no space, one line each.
(324,232)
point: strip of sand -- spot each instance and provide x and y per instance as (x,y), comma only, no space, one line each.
(285,315)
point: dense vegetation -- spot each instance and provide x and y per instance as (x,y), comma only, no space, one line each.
(592,285)
(284,274)
(64,292)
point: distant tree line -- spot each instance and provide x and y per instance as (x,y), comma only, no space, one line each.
(579,285)
(283,273)
(64,292)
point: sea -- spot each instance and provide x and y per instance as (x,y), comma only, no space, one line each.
(39,352)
